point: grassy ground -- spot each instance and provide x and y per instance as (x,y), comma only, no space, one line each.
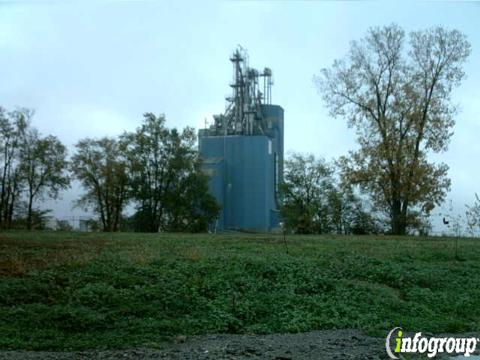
(84,291)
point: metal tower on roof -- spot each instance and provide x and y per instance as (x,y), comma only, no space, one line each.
(243,114)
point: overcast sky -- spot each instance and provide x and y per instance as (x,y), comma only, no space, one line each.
(92,68)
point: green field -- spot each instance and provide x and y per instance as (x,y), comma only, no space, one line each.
(98,290)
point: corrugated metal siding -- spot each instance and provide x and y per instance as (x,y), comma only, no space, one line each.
(242,174)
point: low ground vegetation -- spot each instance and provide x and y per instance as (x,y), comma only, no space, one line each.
(63,291)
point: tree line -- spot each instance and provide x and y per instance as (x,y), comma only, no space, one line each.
(394,89)
(396,92)
(155,170)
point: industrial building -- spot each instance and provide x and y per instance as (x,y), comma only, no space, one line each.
(242,152)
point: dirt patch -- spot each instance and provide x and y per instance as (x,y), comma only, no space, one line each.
(336,344)
(19,256)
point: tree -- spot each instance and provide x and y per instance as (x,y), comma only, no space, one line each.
(154,157)
(348,213)
(43,166)
(400,104)
(12,126)
(100,165)
(167,186)
(31,167)
(314,202)
(473,215)
(304,193)
(190,205)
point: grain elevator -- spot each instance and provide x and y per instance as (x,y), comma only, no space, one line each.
(242,152)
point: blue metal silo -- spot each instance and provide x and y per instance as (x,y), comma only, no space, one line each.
(243,153)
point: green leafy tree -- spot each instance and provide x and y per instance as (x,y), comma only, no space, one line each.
(101,167)
(43,165)
(167,185)
(399,102)
(314,200)
(349,213)
(191,207)
(304,193)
